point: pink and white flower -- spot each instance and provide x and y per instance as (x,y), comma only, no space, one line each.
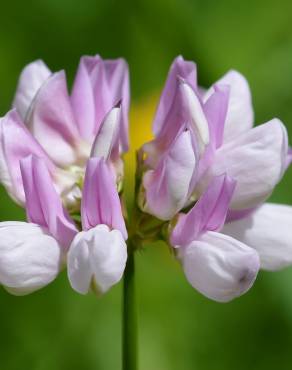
(97,256)
(61,128)
(219,266)
(200,135)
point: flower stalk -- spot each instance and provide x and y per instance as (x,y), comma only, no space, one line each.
(130,345)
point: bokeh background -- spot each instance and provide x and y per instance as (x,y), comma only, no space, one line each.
(58,329)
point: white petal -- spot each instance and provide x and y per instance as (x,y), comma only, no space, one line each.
(256,160)
(29,258)
(31,79)
(78,263)
(219,266)
(269,231)
(96,256)
(107,134)
(240,111)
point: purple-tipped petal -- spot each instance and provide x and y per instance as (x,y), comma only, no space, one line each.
(100,200)
(219,266)
(175,121)
(31,79)
(52,122)
(207,125)
(240,111)
(185,113)
(208,214)
(99,85)
(119,85)
(167,187)
(216,109)
(16,142)
(238,214)
(82,99)
(43,205)
(186,70)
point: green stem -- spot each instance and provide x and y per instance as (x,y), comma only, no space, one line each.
(129,315)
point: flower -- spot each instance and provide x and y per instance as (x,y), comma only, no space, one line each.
(207,174)
(98,254)
(202,134)
(217,265)
(61,129)
(32,253)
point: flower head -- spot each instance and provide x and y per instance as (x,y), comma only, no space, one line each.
(46,142)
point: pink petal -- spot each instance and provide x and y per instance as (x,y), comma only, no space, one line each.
(240,111)
(98,86)
(100,200)
(52,122)
(167,186)
(175,121)
(16,142)
(208,214)
(185,113)
(118,78)
(186,70)
(43,205)
(215,109)
(82,99)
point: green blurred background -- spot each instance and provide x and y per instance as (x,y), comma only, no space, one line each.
(56,328)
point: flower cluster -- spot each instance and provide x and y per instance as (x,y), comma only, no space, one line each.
(202,181)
